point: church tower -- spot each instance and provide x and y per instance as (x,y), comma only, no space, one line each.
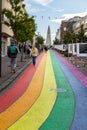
(48,39)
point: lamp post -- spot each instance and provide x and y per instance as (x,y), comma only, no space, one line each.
(0,34)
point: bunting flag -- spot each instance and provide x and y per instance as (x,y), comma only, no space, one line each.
(49,17)
(42,17)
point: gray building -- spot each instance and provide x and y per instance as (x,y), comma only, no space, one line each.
(58,34)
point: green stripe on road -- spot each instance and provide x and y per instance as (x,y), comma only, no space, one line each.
(62,114)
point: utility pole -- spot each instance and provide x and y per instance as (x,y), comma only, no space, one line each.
(0,35)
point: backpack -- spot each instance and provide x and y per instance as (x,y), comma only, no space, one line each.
(34,51)
(12,52)
(12,49)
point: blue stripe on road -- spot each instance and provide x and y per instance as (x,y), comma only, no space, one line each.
(80,92)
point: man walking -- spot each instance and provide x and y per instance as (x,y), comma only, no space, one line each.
(12,54)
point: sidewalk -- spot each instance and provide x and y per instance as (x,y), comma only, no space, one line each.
(6,75)
(80,65)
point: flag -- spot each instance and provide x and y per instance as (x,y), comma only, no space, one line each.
(42,17)
(49,17)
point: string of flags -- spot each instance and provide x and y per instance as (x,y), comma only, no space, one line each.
(48,17)
(42,17)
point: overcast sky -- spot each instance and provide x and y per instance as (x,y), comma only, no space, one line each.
(51,12)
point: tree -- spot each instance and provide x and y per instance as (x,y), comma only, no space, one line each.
(68,38)
(22,26)
(26,29)
(40,40)
(56,41)
(81,35)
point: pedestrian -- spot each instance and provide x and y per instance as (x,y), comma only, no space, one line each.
(28,51)
(34,53)
(46,48)
(20,47)
(25,48)
(12,54)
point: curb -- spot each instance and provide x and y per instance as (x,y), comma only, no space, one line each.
(11,78)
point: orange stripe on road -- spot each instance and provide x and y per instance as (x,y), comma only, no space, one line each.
(19,87)
(43,106)
(24,103)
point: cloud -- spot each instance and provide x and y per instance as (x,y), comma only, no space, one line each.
(31,9)
(56,9)
(43,2)
(59,10)
(68,16)
(57,20)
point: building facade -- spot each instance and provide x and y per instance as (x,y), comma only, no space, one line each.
(63,30)
(77,25)
(67,26)
(7,33)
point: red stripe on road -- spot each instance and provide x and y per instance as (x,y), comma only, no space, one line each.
(18,88)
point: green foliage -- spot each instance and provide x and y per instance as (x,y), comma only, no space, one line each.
(65,54)
(82,37)
(40,40)
(56,41)
(71,37)
(22,25)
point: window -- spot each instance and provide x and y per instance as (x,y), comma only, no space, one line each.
(64,28)
(86,20)
(77,25)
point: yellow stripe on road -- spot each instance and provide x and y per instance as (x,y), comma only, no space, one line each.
(23,104)
(39,112)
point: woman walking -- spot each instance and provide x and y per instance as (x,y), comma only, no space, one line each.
(34,54)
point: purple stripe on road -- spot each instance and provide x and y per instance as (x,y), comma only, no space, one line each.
(76,72)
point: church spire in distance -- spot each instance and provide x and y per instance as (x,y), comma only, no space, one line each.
(48,39)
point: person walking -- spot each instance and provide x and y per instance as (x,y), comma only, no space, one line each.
(34,53)
(12,54)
